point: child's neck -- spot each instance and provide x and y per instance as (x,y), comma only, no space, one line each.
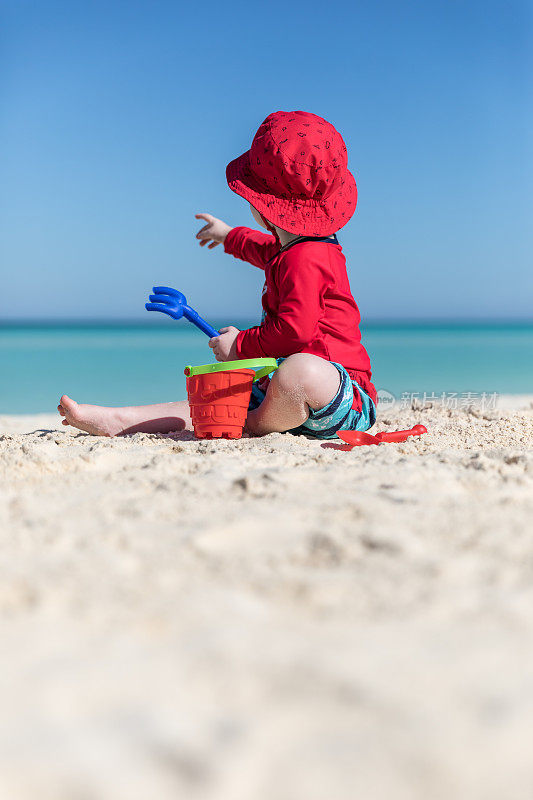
(284,236)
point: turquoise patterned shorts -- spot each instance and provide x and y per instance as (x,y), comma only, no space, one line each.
(338,415)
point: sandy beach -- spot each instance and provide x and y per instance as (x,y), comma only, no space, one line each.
(268,619)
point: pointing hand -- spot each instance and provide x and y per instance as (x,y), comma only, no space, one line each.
(214,232)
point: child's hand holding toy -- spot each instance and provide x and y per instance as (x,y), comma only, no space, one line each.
(224,346)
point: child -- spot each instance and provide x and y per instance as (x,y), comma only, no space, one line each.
(296,179)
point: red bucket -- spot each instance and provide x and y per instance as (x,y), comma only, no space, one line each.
(218,402)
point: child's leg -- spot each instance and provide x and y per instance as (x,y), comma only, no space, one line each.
(301,382)
(103,421)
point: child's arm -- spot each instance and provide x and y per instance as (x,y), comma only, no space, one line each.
(244,243)
(302,281)
(250,245)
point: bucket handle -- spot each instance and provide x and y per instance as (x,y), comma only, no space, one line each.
(262,367)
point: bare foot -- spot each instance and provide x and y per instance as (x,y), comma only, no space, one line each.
(98,420)
(105,421)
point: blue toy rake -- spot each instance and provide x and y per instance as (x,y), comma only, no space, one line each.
(170,301)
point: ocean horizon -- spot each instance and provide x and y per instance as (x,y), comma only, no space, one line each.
(132,362)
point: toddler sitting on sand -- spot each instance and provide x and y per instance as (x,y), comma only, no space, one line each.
(295,177)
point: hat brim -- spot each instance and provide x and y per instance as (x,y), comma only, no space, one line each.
(302,217)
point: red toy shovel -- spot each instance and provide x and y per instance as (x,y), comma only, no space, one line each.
(358,438)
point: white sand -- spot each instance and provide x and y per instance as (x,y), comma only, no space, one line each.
(268,619)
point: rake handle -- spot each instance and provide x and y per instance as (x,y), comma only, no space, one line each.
(196,319)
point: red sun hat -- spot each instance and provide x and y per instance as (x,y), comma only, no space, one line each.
(296,174)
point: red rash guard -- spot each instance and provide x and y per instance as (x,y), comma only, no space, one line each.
(307,302)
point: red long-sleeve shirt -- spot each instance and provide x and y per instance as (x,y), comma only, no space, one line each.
(307,302)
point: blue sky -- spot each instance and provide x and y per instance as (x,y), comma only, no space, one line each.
(117,120)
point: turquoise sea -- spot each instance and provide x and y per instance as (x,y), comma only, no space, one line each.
(134,363)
